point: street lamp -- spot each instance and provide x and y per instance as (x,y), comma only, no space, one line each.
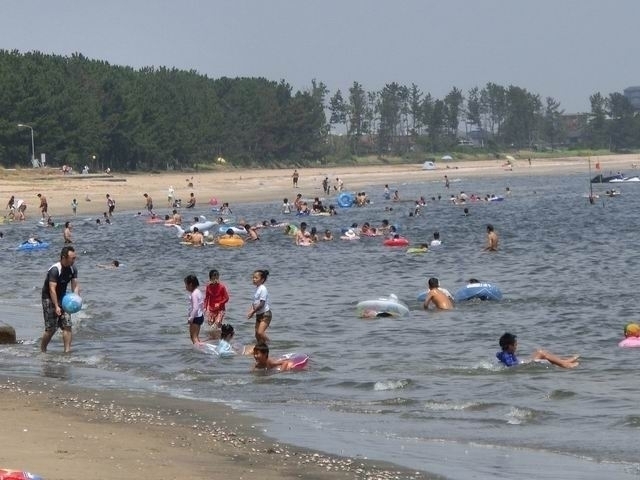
(33,150)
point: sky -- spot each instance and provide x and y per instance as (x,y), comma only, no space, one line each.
(565,49)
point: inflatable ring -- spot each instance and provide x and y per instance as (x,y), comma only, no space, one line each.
(345,200)
(382,307)
(33,246)
(396,242)
(231,241)
(481,291)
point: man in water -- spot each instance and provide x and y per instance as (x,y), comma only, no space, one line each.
(59,275)
(148,203)
(44,206)
(437,296)
(492,239)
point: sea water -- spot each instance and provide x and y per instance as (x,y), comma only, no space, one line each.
(424,391)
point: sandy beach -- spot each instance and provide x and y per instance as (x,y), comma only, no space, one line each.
(66,435)
(244,185)
(62,434)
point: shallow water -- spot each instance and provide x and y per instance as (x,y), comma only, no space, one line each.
(423,391)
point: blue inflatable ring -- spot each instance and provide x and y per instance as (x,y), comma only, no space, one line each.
(345,200)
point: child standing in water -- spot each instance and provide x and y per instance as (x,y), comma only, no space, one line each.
(260,306)
(215,299)
(196,307)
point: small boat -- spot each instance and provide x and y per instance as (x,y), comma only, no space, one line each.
(617,178)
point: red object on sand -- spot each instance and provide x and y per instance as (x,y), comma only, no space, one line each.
(17,475)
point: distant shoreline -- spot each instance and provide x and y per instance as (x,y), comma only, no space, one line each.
(263,185)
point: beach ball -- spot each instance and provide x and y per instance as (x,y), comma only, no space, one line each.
(71,303)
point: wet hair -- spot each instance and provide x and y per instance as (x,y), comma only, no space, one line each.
(66,224)
(303,225)
(229,231)
(273,221)
(263,274)
(285,200)
(474,280)
(506,340)
(247,226)
(313,230)
(213,273)
(436,235)
(489,228)
(191,280)
(433,282)
(115,263)
(262,348)
(195,229)
(226,331)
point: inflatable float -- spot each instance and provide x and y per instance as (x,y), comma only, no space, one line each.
(224,228)
(382,307)
(396,242)
(17,475)
(350,235)
(231,241)
(33,246)
(417,250)
(480,290)
(345,200)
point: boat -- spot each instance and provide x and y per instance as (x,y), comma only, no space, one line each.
(617,178)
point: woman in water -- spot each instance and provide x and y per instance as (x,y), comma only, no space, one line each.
(260,306)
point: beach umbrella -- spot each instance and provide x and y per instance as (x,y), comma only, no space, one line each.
(447,157)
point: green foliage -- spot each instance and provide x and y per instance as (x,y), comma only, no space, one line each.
(89,112)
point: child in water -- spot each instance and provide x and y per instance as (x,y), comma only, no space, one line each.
(509,344)
(195,318)
(215,299)
(263,362)
(260,306)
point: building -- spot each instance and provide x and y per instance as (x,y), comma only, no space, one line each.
(633,95)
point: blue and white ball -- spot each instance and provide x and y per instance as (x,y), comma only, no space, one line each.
(71,303)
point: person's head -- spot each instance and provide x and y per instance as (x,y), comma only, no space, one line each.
(327,233)
(385,223)
(226,331)
(67,224)
(489,228)
(115,263)
(192,194)
(436,235)
(466,211)
(261,354)
(107,195)
(303,225)
(424,245)
(39,195)
(433,283)
(214,275)
(67,256)
(285,200)
(508,342)
(196,230)
(474,280)
(260,276)
(247,227)
(229,232)
(632,330)
(97,221)
(273,222)
(191,282)
(145,195)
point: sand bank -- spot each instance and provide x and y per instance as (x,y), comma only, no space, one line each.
(66,435)
(244,185)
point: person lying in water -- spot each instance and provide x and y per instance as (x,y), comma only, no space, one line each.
(507,356)
(263,362)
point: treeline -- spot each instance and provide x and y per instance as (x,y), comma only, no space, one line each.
(88,112)
(399,119)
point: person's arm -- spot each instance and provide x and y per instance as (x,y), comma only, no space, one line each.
(428,300)
(225,296)
(54,296)
(255,308)
(193,308)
